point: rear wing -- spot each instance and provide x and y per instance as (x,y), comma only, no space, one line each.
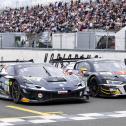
(62,61)
(16,61)
(3,62)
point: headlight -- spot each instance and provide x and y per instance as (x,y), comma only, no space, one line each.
(81,84)
(113,82)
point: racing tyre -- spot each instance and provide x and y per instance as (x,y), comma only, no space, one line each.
(86,99)
(15,92)
(93,87)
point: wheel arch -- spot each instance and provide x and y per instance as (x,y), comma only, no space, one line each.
(89,79)
(11,82)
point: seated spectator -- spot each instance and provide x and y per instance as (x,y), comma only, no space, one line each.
(65,17)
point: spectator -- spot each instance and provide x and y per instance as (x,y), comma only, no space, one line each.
(33,44)
(22,43)
(65,17)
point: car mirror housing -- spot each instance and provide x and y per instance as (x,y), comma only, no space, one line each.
(86,74)
(2,74)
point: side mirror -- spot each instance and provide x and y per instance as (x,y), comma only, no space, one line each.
(2,74)
(86,74)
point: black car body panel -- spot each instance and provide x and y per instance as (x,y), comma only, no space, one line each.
(34,82)
(110,79)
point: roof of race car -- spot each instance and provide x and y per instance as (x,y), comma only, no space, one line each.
(30,64)
(99,60)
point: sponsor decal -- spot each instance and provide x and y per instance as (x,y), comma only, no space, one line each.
(62,92)
(120,73)
(52,56)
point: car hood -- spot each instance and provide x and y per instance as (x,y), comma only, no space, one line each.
(121,75)
(51,83)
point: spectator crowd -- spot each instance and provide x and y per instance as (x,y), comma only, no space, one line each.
(65,17)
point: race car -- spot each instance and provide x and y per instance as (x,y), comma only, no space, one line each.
(38,83)
(104,77)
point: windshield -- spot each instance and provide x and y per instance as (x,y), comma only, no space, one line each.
(34,71)
(69,66)
(109,66)
(40,71)
(54,72)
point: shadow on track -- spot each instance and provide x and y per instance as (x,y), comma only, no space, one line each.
(49,103)
(54,103)
(111,97)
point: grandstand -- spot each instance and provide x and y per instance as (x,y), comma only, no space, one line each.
(24,3)
(64,17)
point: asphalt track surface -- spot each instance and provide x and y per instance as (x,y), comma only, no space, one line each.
(96,112)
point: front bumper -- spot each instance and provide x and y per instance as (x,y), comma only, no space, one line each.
(33,96)
(112,90)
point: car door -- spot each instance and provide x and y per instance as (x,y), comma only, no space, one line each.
(4,85)
(5,80)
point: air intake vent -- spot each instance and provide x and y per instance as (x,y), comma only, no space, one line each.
(56,79)
(37,86)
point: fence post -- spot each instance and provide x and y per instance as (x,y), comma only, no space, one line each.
(89,39)
(107,37)
(61,40)
(75,40)
(0,41)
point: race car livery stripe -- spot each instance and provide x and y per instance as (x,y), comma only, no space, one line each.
(105,89)
(105,92)
(10,83)
(116,92)
(120,73)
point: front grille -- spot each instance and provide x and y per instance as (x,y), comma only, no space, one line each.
(33,95)
(56,95)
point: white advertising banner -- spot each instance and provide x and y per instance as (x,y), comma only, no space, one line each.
(46,55)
